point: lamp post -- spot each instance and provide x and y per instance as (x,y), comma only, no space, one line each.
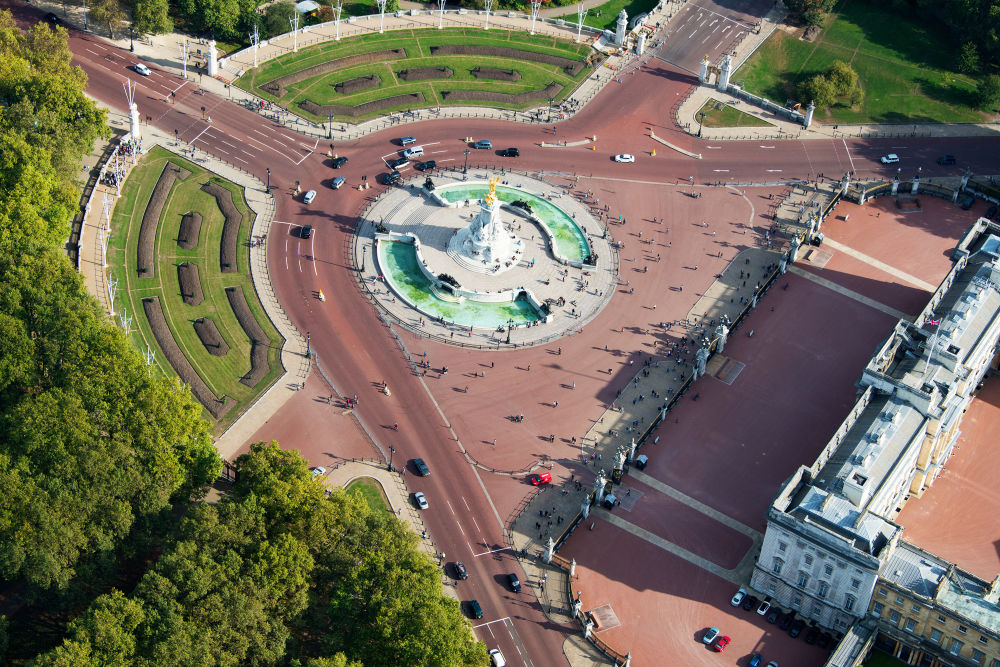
(510,325)
(268,180)
(131,39)
(466,170)
(701,123)
(364,250)
(551,100)
(392,450)
(330,135)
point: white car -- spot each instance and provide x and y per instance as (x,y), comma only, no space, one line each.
(624,157)
(738,598)
(308,199)
(421,500)
(141,69)
(317,471)
(497,659)
(891,158)
(710,635)
(762,609)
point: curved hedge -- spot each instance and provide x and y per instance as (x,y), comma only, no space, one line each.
(187,237)
(210,337)
(352,86)
(277,86)
(424,73)
(572,67)
(549,91)
(145,255)
(230,228)
(496,73)
(259,366)
(413,99)
(187,276)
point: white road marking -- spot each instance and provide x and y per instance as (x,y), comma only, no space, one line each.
(773,171)
(487,553)
(200,133)
(483,625)
(767,146)
(714,148)
(848,151)
(721,171)
(312,252)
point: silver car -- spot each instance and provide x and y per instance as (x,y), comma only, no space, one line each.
(308,199)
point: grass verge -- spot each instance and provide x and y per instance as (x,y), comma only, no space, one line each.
(371,491)
(719,114)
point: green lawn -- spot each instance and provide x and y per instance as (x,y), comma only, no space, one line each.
(879,659)
(221,374)
(903,66)
(718,114)
(609,13)
(371,491)
(417,45)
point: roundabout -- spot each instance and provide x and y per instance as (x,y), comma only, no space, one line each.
(498,259)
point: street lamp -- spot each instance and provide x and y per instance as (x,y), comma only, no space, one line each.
(551,100)
(392,450)
(466,170)
(364,250)
(701,123)
(268,180)
(131,39)
(330,135)
(510,325)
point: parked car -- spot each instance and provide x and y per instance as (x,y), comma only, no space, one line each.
(966,202)
(764,606)
(421,500)
(991,212)
(710,635)
(786,621)
(641,461)
(773,663)
(317,471)
(796,628)
(749,602)
(891,158)
(406,141)
(425,166)
(460,571)
(624,157)
(946,159)
(483,144)
(337,182)
(141,69)
(306,232)
(496,657)
(510,152)
(824,640)
(515,583)
(721,643)
(392,177)
(738,598)
(397,162)
(755,660)
(774,615)
(338,162)
(421,467)
(543,478)
(475,611)
(53,20)
(812,634)
(309,197)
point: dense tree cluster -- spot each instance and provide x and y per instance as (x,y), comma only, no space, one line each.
(810,12)
(838,82)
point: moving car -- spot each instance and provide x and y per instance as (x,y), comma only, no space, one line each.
(317,471)
(764,606)
(624,157)
(416,151)
(891,158)
(460,570)
(496,657)
(946,159)
(406,141)
(510,152)
(421,500)
(141,69)
(397,162)
(393,177)
(338,162)
(515,583)
(721,643)
(306,232)
(337,182)
(424,166)
(710,635)
(421,467)
(538,480)
(309,197)
(738,598)
(483,144)
(755,660)
(475,611)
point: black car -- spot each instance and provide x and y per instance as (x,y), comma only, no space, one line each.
(774,615)
(515,584)
(397,162)
(393,177)
(786,621)
(946,159)
(812,634)
(991,212)
(52,19)
(460,571)
(425,166)
(750,602)
(475,611)
(966,202)
(510,152)
(824,640)
(338,162)
(421,467)
(307,231)
(796,628)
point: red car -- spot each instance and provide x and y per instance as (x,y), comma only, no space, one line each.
(544,478)
(721,643)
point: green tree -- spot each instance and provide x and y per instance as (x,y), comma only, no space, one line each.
(989,93)
(108,13)
(276,18)
(819,89)
(151,17)
(967,60)
(105,635)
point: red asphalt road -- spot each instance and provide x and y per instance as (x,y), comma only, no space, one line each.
(352,343)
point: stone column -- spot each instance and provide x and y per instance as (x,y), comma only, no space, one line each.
(783,265)
(793,250)
(577,604)
(845,183)
(588,628)
(213,58)
(895,185)
(701,358)
(965,179)
(585,508)
(727,70)
(572,568)
(550,548)
(722,331)
(809,115)
(703,73)
(640,44)
(599,483)
(621,28)
(916,185)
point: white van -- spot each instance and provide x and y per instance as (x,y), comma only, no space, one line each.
(416,151)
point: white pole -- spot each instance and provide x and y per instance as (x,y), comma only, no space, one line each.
(580,14)
(381,15)
(336,18)
(184,56)
(255,40)
(535,6)
(441,4)
(489,5)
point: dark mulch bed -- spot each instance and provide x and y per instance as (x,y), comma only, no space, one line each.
(422,73)
(361,83)
(277,87)
(187,237)
(230,228)
(259,367)
(496,74)
(215,406)
(571,67)
(210,337)
(145,257)
(412,99)
(187,275)
(527,96)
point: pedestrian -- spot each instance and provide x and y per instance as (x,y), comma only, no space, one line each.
(491,364)
(494,442)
